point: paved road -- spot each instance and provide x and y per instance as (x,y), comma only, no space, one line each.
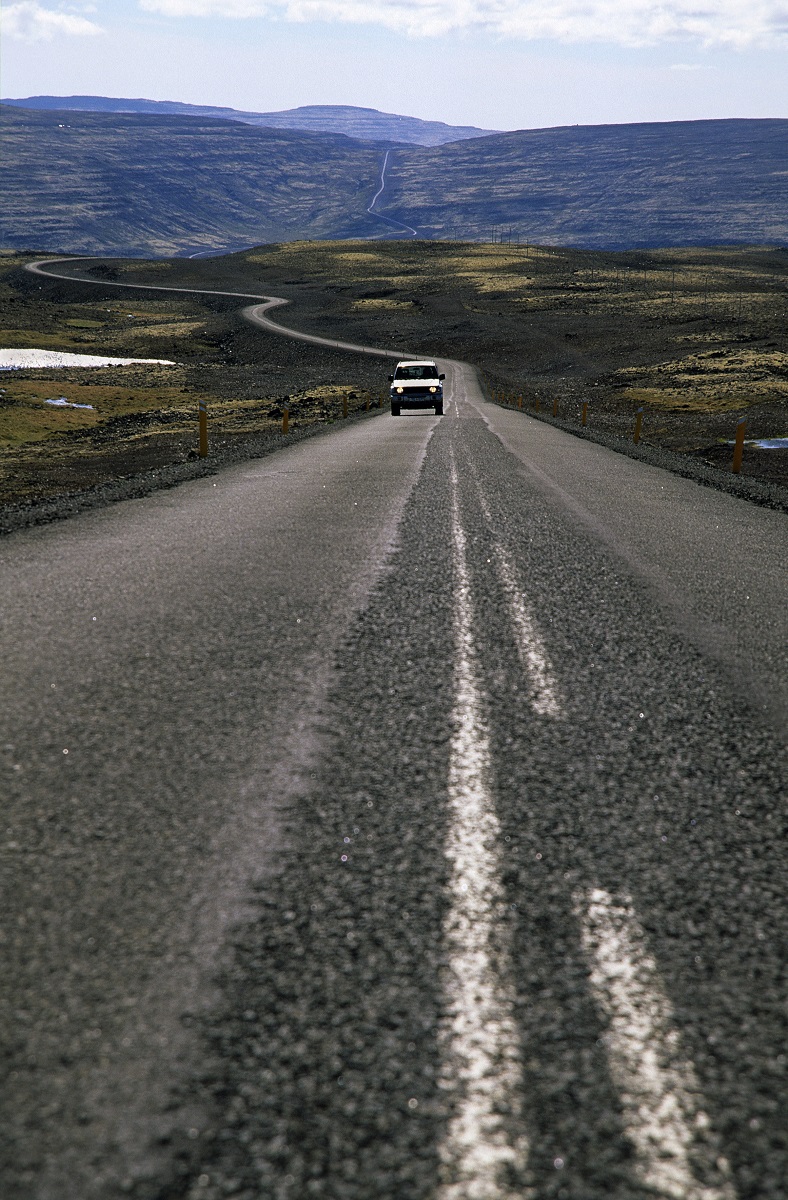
(418,834)
(397,226)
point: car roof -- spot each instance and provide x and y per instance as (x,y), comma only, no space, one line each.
(416,362)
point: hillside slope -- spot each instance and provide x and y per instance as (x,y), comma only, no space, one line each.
(682,183)
(367,124)
(136,184)
(141,185)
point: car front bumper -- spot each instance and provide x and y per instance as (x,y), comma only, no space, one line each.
(417,399)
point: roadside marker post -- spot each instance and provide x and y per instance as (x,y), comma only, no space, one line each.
(584,420)
(519,402)
(638,424)
(536,403)
(203,411)
(555,406)
(285,419)
(738,449)
(344,405)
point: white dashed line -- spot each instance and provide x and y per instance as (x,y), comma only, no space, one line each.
(677,1153)
(482,1064)
(530,648)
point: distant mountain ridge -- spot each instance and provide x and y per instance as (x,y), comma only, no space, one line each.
(135,184)
(366,124)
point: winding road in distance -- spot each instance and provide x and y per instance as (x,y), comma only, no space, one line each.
(397,815)
(399,226)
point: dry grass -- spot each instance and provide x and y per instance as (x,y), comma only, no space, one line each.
(380,304)
(717,380)
(26,417)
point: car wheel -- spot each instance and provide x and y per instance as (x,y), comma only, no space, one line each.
(439,410)
(395,410)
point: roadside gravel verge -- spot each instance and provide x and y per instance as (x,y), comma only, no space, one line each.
(767,495)
(132,487)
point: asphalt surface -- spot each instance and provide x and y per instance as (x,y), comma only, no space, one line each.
(418,835)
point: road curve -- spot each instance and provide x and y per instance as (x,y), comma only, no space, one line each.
(254,313)
(397,815)
(371,208)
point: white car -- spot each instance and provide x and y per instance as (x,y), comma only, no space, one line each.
(416,384)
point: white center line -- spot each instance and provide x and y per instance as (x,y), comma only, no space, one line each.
(530,648)
(483,1152)
(677,1153)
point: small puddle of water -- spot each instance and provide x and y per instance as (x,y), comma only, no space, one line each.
(778,443)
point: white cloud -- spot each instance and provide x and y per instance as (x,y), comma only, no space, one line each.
(29,22)
(731,23)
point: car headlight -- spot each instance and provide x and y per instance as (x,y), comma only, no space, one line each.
(399,391)
(433,389)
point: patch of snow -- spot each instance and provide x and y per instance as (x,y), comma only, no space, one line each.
(16,360)
(778,443)
(775,443)
(62,402)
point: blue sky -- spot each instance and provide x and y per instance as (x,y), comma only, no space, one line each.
(501,64)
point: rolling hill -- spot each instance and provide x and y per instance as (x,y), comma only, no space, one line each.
(678,183)
(140,184)
(367,124)
(90,183)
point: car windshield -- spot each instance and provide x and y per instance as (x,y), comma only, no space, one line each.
(417,372)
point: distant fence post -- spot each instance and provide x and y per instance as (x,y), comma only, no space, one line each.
(584,418)
(203,421)
(738,449)
(638,425)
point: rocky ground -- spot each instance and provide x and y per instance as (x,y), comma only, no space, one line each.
(695,338)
